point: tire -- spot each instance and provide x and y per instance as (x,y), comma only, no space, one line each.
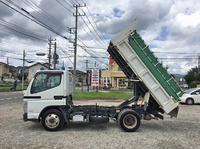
(129,120)
(52,120)
(190,101)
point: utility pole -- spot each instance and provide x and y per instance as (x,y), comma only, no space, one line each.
(49,52)
(199,63)
(86,62)
(23,70)
(75,43)
(49,56)
(55,57)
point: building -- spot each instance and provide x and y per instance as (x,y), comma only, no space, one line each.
(37,66)
(114,76)
(80,76)
(4,71)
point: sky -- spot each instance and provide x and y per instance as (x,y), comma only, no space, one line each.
(171,28)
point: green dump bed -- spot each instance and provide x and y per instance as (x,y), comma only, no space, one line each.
(136,59)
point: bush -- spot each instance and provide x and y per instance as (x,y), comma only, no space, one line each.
(78,85)
(106,88)
(130,87)
(192,84)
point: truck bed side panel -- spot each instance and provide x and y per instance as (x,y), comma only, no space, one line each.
(133,56)
(160,73)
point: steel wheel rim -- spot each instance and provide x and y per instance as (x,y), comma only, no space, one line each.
(52,120)
(190,101)
(130,121)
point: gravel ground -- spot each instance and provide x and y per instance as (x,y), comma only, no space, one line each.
(180,133)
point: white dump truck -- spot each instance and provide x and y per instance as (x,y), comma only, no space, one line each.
(48,98)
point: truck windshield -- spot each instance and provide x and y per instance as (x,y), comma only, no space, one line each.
(45,81)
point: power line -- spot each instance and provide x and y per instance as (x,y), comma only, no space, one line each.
(65,53)
(88,33)
(14,29)
(176,52)
(91,31)
(95,23)
(34,18)
(46,15)
(181,58)
(94,28)
(64,6)
(5,51)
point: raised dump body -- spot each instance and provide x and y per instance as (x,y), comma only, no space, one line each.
(137,61)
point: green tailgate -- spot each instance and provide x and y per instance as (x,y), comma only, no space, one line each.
(151,62)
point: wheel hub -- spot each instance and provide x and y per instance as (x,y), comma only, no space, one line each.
(130,121)
(52,120)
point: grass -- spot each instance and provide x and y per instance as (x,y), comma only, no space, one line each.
(7,88)
(102,95)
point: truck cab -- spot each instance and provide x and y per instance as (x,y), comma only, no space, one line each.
(47,88)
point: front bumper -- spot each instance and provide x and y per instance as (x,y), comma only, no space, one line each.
(25,117)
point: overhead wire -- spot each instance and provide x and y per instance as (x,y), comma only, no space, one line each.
(64,6)
(177,52)
(95,23)
(17,30)
(101,45)
(33,18)
(65,52)
(106,44)
(89,34)
(84,46)
(46,15)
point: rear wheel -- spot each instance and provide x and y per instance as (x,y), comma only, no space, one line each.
(129,120)
(190,101)
(52,120)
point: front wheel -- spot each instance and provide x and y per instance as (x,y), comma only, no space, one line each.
(190,101)
(129,120)
(52,120)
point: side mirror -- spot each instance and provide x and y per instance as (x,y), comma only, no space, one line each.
(197,93)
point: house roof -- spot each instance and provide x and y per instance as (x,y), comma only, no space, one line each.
(4,64)
(111,60)
(38,63)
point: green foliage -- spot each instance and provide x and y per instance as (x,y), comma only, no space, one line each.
(192,84)
(130,87)
(20,76)
(173,76)
(5,87)
(101,95)
(77,85)
(192,78)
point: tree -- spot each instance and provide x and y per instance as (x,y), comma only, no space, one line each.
(20,76)
(192,77)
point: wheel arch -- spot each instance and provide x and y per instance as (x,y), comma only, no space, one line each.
(48,108)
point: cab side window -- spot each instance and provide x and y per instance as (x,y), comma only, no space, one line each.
(44,82)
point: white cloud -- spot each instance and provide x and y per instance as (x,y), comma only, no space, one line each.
(191,20)
(180,17)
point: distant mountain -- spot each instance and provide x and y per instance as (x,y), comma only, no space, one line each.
(178,75)
(19,67)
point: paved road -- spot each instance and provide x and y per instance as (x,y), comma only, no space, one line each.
(10,97)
